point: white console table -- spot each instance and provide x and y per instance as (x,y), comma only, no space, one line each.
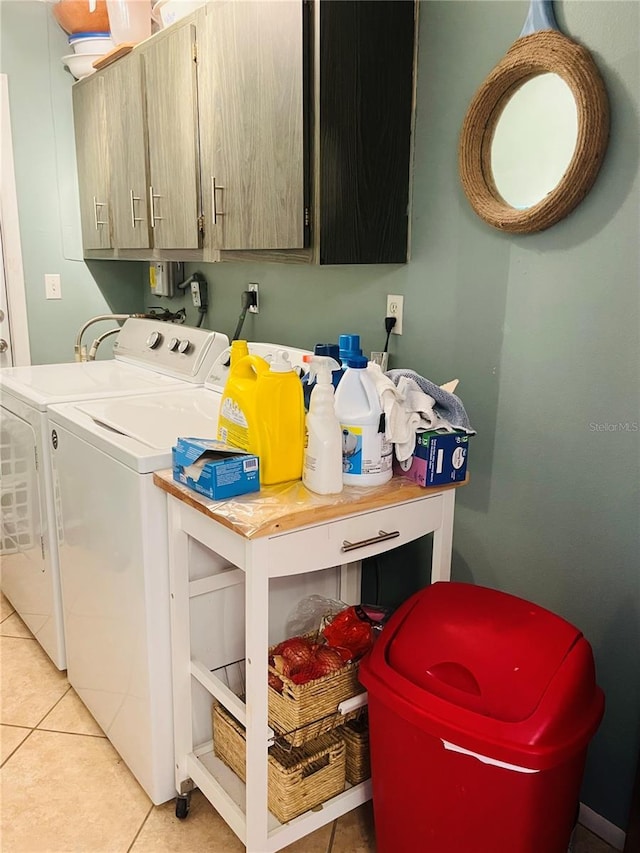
(227,561)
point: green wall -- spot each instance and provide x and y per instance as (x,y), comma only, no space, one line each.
(541,330)
(543,333)
(31,47)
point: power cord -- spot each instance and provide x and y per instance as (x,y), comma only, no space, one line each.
(247,300)
(198,285)
(389,323)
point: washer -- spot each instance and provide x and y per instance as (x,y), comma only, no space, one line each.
(114,561)
(147,360)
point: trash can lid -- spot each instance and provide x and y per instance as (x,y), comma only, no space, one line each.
(480,649)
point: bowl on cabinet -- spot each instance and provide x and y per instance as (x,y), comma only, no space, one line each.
(99,43)
(81,64)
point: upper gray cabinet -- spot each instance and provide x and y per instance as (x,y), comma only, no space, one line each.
(91,154)
(254,130)
(126,144)
(169,62)
(250,95)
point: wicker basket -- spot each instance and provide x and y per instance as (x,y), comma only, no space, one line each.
(356,738)
(299,778)
(302,712)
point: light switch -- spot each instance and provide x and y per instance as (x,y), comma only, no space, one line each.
(52,287)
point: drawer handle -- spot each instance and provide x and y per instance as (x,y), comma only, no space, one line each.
(214,207)
(381,537)
(96,219)
(152,207)
(132,199)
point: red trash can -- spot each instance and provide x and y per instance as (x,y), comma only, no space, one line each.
(481,708)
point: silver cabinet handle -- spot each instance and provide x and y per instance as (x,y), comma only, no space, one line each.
(152,207)
(4,346)
(381,537)
(133,198)
(216,213)
(96,204)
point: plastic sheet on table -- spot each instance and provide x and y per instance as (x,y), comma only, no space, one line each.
(267,511)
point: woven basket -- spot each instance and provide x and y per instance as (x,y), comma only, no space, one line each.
(356,739)
(299,779)
(302,712)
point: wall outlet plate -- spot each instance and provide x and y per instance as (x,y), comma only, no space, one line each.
(395,307)
(253,288)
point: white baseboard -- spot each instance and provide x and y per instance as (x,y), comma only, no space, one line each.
(601,827)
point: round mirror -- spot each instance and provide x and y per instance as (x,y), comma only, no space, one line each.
(535,134)
(534,140)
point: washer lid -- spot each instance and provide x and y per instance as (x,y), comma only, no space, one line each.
(141,432)
(157,420)
(43,384)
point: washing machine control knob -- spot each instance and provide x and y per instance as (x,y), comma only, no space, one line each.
(184,346)
(173,344)
(154,340)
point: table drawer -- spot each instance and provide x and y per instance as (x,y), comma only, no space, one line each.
(324,545)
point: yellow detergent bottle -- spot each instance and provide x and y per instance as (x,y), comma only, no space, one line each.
(238,350)
(262,411)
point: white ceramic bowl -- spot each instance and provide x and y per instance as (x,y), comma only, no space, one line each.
(81,64)
(100,43)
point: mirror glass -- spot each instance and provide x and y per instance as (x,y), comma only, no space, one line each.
(534,140)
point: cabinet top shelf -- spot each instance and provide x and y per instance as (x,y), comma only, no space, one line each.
(287,506)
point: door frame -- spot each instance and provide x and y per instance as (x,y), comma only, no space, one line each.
(11,249)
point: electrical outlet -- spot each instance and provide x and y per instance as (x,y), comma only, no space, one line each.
(395,305)
(199,295)
(52,287)
(253,288)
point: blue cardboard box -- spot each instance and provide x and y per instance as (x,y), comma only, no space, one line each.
(215,469)
(439,458)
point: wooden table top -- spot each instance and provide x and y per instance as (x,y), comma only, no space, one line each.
(287,506)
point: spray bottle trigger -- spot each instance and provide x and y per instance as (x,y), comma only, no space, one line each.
(320,368)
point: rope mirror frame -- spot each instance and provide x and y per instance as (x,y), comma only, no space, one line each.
(541,52)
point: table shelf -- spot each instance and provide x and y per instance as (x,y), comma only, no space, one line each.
(227,792)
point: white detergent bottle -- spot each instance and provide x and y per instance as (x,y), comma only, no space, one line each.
(322,467)
(366,454)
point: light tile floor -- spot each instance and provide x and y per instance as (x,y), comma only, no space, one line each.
(65,789)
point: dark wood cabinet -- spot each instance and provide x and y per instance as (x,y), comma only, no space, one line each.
(366,67)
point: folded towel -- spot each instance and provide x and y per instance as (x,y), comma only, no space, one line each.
(410,403)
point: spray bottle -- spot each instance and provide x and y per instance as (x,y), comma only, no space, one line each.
(308,382)
(322,468)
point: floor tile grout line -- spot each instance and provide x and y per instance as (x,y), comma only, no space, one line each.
(22,743)
(140,828)
(55,705)
(74,734)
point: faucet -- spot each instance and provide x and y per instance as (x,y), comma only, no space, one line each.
(98,341)
(80,352)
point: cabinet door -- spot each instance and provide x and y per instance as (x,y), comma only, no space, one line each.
(250,87)
(174,181)
(93,166)
(126,138)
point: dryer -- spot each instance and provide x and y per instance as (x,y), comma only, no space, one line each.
(149,357)
(114,561)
